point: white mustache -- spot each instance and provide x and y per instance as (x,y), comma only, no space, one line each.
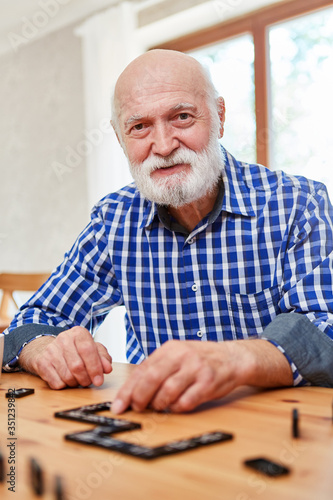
(185,156)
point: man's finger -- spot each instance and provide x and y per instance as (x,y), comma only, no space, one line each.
(145,382)
(105,357)
(201,391)
(123,397)
(90,356)
(50,374)
(174,386)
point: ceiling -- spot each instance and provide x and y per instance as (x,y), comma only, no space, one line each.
(36,18)
(31,19)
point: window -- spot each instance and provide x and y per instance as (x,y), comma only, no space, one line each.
(238,54)
(284,54)
(301,63)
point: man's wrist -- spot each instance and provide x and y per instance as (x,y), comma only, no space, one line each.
(262,364)
(30,352)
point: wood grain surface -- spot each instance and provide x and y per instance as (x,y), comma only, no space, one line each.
(260,420)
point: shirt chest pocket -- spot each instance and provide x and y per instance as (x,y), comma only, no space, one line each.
(250,314)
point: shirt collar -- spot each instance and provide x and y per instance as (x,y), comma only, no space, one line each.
(149,213)
(237,193)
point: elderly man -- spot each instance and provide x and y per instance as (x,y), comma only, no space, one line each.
(202,250)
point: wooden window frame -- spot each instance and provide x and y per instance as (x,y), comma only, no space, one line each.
(257,24)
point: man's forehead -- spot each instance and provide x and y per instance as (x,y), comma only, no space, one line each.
(153,88)
(159,101)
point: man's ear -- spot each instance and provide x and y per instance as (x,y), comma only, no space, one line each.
(221,113)
(117,135)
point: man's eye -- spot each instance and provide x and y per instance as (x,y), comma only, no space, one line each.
(138,126)
(184,116)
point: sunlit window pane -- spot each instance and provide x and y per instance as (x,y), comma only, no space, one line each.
(231,65)
(301,54)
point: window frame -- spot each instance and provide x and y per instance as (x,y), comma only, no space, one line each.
(257,23)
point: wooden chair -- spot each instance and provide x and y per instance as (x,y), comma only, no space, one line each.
(12,282)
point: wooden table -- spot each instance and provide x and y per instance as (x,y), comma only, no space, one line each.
(260,421)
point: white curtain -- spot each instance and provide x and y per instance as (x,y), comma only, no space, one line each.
(109,43)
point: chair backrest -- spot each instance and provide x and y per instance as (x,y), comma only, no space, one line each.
(12,282)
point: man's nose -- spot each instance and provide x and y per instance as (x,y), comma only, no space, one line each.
(164,140)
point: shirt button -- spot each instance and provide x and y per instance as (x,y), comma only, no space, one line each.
(194,287)
(199,334)
(192,240)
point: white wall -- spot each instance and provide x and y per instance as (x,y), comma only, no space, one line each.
(42,114)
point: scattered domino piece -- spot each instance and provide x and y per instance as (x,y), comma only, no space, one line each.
(19,393)
(2,469)
(59,493)
(295,425)
(267,467)
(36,476)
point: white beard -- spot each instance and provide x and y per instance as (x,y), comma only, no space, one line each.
(181,188)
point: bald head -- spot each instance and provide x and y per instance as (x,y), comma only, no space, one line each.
(144,77)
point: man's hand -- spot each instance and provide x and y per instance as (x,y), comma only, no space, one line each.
(70,359)
(180,375)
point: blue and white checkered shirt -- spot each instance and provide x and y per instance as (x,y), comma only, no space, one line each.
(267,250)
